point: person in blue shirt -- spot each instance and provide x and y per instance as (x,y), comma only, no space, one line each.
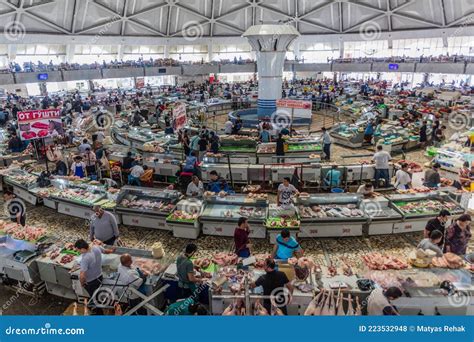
(217,184)
(333,177)
(3,117)
(369,132)
(191,163)
(264,135)
(286,247)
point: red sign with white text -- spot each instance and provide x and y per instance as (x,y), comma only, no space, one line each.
(294,104)
(38,124)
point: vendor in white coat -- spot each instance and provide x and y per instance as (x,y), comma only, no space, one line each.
(131,277)
(403,178)
(379,302)
(195,188)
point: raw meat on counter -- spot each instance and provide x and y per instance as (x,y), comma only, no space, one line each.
(283,222)
(425,206)
(148,205)
(202,263)
(66,259)
(260,263)
(324,211)
(148,265)
(377,261)
(326,303)
(179,215)
(28,233)
(448,260)
(225,259)
(80,195)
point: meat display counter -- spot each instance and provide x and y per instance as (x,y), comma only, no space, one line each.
(22,182)
(331,215)
(417,209)
(348,135)
(118,153)
(221,214)
(382,217)
(184,220)
(166,165)
(239,147)
(280,218)
(18,257)
(146,207)
(300,150)
(76,198)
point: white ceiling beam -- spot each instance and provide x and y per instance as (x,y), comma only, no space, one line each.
(47,23)
(316,9)
(360,4)
(422,21)
(443,12)
(146,27)
(356,26)
(237,30)
(465,20)
(147,10)
(234,11)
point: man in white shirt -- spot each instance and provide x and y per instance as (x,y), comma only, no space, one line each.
(135,173)
(100,136)
(382,166)
(366,189)
(195,188)
(228,127)
(285,194)
(326,144)
(403,178)
(131,278)
(84,146)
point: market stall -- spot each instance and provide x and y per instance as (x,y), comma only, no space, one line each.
(76,197)
(22,182)
(221,214)
(331,215)
(184,219)
(417,209)
(146,207)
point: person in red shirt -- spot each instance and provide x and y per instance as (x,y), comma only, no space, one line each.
(241,238)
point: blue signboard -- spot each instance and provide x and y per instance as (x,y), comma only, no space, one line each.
(43,77)
(393,67)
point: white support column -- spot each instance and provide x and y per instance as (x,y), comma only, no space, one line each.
(120,52)
(11,52)
(297,51)
(210,51)
(445,42)
(341,49)
(70,52)
(167,50)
